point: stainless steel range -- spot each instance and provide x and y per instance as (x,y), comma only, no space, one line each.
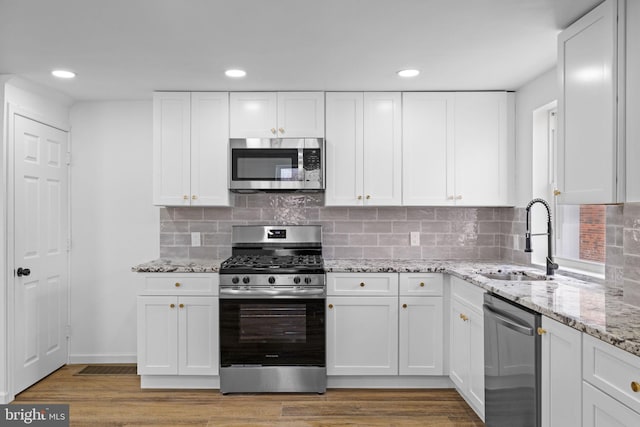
(272,308)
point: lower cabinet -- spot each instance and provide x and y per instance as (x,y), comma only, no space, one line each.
(601,410)
(384,324)
(177,335)
(561,377)
(466,325)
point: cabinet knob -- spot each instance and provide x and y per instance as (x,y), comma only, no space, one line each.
(404,305)
(330,305)
(463,317)
(273,131)
(541,331)
(635,386)
(185,197)
(359,197)
(178,284)
(422,284)
(450,198)
(194,197)
(458,197)
(368,197)
(362,284)
(557,192)
(281,130)
(172,305)
(181,306)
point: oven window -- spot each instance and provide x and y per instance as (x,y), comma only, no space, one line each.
(265,165)
(273,323)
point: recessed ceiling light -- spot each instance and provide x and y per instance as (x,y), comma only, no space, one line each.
(408,73)
(235,73)
(63,74)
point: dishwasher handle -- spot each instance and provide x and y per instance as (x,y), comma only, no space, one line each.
(508,322)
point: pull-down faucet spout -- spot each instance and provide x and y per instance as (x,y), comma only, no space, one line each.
(551,266)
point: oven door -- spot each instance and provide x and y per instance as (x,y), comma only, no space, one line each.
(272,332)
(264,164)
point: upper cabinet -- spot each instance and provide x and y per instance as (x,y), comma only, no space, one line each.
(277,115)
(364,151)
(590,145)
(190,143)
(458,148)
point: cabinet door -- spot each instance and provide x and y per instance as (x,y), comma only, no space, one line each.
(344,147)
(482,152)
(561,375)
(362,336)
(421,336)
(209,148)
(253,115)
(171,148)
(587,55)
(427,148)
(459,343)
(301,114)
(632,98)
(601,410)
(157,335)
(198,335)
(382,156)
(475,394)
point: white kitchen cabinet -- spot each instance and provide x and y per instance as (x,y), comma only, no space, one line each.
(561,375)
(601,410)
(190,145)
(362,335)
(421,329)
(632,98)
(588,111)
(177,335)
(466,367)
(458,148)
(277,115)
(364,151)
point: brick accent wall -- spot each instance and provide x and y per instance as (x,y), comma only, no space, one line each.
(592,232)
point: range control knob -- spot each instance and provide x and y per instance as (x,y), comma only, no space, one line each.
(307,280)
(245,279)
(235,280)
(271,280)
(296,280)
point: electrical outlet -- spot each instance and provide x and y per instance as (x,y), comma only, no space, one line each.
(415,238)
(195,239)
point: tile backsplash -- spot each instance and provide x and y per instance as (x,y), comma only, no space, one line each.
(348,232)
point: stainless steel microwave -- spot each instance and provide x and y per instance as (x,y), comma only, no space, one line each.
(282,164)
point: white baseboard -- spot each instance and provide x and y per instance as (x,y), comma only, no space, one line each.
(6,398)
(76,359)
(180,381)
(388,382)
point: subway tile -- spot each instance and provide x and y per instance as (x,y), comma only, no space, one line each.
(393,240)
(465,227)
(615,215)
(203,252)
(347,252)
(182,239)
(261,200)
(395,213)
(632,215)
(486,214)
(631,267)
(631,241)
(174,227)
(327,252)
(427,239)
(239,200)
(489,253)
(456,240)
(248,214)
(224,252)
(166,239)
(203,226)
(348,227)
(217,214)
(377,252)
(364,213)
(469,253)
(363,239)
(435,226)
(335,239)
(406,226)
(216,239)
(311,214)
(436,252)
(188,214)
(268,214)
(227,226)
(166,214)
(421,214)
(334,213)
(407,252)
(174,252)
(377,227)
(632,293)
(486,240)
(327,226)
(489,227)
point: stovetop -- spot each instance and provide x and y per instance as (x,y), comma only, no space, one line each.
(276,264)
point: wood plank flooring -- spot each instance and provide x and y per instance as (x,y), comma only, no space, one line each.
(119,401)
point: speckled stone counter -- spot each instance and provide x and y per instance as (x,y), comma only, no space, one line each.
(178,266)
(586,306)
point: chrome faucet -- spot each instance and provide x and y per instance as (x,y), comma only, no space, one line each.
(551,266)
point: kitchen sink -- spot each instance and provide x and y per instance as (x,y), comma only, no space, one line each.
(514,275)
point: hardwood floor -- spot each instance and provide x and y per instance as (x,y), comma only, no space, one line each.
(118,401)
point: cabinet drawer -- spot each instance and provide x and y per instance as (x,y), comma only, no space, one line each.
(425,284)
(180,284)
(383,284)
(471,294)
(612,370)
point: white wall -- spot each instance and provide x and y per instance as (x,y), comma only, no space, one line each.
(114,225)
(538,92)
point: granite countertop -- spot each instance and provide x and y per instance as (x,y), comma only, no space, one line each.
(584,305)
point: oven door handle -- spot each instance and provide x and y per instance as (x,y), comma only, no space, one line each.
(272,293)
(508,322)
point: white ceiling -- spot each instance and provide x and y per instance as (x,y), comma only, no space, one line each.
(125,49)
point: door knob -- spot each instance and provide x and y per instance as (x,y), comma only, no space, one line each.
(22,272)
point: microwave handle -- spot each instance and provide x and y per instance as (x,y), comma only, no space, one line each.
(301,165)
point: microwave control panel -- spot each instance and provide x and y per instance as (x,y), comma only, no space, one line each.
(312,163)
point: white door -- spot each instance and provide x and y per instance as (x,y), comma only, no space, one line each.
(301,114)
(459,345)
(421,336)
(253,115)
(157,335)
(197,335)
(40,251)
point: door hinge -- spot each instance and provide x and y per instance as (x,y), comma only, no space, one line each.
(68,158)
(67,331)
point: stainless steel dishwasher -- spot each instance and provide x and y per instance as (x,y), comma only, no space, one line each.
(511,364)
